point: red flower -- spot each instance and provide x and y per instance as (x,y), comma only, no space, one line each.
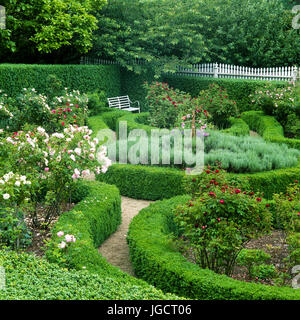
(258,199)
(221,201)
(267,205)
(237,191)
(63,123)
(217,171)
(68,104)
(298,213)
(212,194)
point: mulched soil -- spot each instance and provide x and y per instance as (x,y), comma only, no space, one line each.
(273,244)
(41,236)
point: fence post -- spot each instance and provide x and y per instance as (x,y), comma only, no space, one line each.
(216,69)
(295,74)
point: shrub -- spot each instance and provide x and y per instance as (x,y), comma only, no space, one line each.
(269,128)
(31,278)
(155,260)
(277,102)
(218,224)
(247,154)
(168,107)
(250,258)
(238,89)
(85,78)
(216,101)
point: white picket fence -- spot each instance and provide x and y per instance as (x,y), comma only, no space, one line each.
(215,70)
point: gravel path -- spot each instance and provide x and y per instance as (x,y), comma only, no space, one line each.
(115,248)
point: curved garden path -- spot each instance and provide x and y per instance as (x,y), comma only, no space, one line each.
(115,248)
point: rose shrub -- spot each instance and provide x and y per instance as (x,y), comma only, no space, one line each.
(171,108)
(282,103)
(218,105)
(217,224)
(53,162)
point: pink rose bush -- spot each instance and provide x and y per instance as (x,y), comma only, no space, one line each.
(53,162)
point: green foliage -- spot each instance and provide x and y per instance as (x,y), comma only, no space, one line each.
(155,260)
(219,222)
(149,31)
(237,127)
(96,102)
(215,100)
(269,128)
(31,278)
(250,258)
(238,89)
(85,78)
(247,154)
(250,33)
(277,102)
(142,182)
(264,272)
(169,108)
(14,233)
(43,27)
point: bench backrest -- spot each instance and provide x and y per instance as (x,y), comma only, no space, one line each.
(119,102)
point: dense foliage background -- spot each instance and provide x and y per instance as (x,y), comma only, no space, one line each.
(165,33)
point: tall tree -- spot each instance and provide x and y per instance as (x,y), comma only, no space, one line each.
(37,29)
(161,32)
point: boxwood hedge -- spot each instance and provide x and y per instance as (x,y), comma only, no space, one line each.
(82,273)
(32,278)
(155,183)
(269,128)
(156,260)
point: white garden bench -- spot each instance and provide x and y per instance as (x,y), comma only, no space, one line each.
(123,103)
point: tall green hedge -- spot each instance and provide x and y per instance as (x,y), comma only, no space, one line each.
(85,78)
(238,89)
(132,85)
(157,261)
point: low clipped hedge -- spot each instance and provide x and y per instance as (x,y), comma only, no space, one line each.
(269,128)
(156,260)
(85,78)
(144,182)
(155,183)
(92,221)
(32,278)
(238,127)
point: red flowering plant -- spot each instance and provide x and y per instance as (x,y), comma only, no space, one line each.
(218,104)
(218,225)
(218,222)
(214,177)
(70,108)
(168,107)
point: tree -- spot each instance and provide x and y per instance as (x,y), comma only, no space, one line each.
(255,33)
(161,32)
(40,28)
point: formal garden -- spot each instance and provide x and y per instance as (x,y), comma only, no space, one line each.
(229,232)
